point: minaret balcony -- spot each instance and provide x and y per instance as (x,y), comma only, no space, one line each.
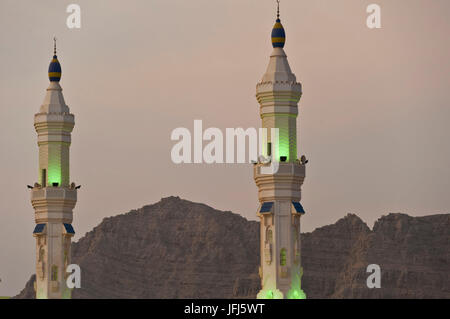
(53,192)
(277,88)
(283,183)
(284,169)
(54,120)
(53,203)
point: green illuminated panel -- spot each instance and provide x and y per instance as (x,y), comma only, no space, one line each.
(54,159)
(287,138)
(283,143)
(54,175)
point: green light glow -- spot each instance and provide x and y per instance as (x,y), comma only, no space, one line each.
(296,291)
(40,294)
(270,294)
(67,294)
(283,257)
(54,169)
(283,144)
(54,175)
(296,294)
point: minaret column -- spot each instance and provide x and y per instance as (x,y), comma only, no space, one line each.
(53,197)
(279,192)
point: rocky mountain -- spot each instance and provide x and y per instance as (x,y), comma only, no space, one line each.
(180,249)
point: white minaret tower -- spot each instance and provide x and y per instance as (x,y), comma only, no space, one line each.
(279,191)
(53,197)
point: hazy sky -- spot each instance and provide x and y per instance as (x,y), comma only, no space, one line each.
(373,117)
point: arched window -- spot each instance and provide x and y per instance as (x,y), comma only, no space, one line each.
(41,253)
(269,235)
(283,257)
(54,273)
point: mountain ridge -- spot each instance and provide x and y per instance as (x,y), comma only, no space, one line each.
(176,248)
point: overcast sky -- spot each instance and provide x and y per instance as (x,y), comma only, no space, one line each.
(373,117)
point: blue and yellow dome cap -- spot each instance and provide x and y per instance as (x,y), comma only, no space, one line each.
(54,69)
(278,34)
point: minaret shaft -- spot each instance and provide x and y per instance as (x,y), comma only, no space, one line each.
(279,192)
(53,197)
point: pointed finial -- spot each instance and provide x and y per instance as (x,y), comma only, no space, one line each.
(278,9)
(278,34)
(54,69)
(54,45)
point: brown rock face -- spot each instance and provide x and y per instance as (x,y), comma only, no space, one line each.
(28,291)
(173,249)
(179,249)
(326,252)
(414,256)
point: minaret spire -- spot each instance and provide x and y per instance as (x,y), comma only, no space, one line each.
(54,45)
(278,9)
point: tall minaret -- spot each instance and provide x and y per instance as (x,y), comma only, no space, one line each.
(53,197)
(279,192)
